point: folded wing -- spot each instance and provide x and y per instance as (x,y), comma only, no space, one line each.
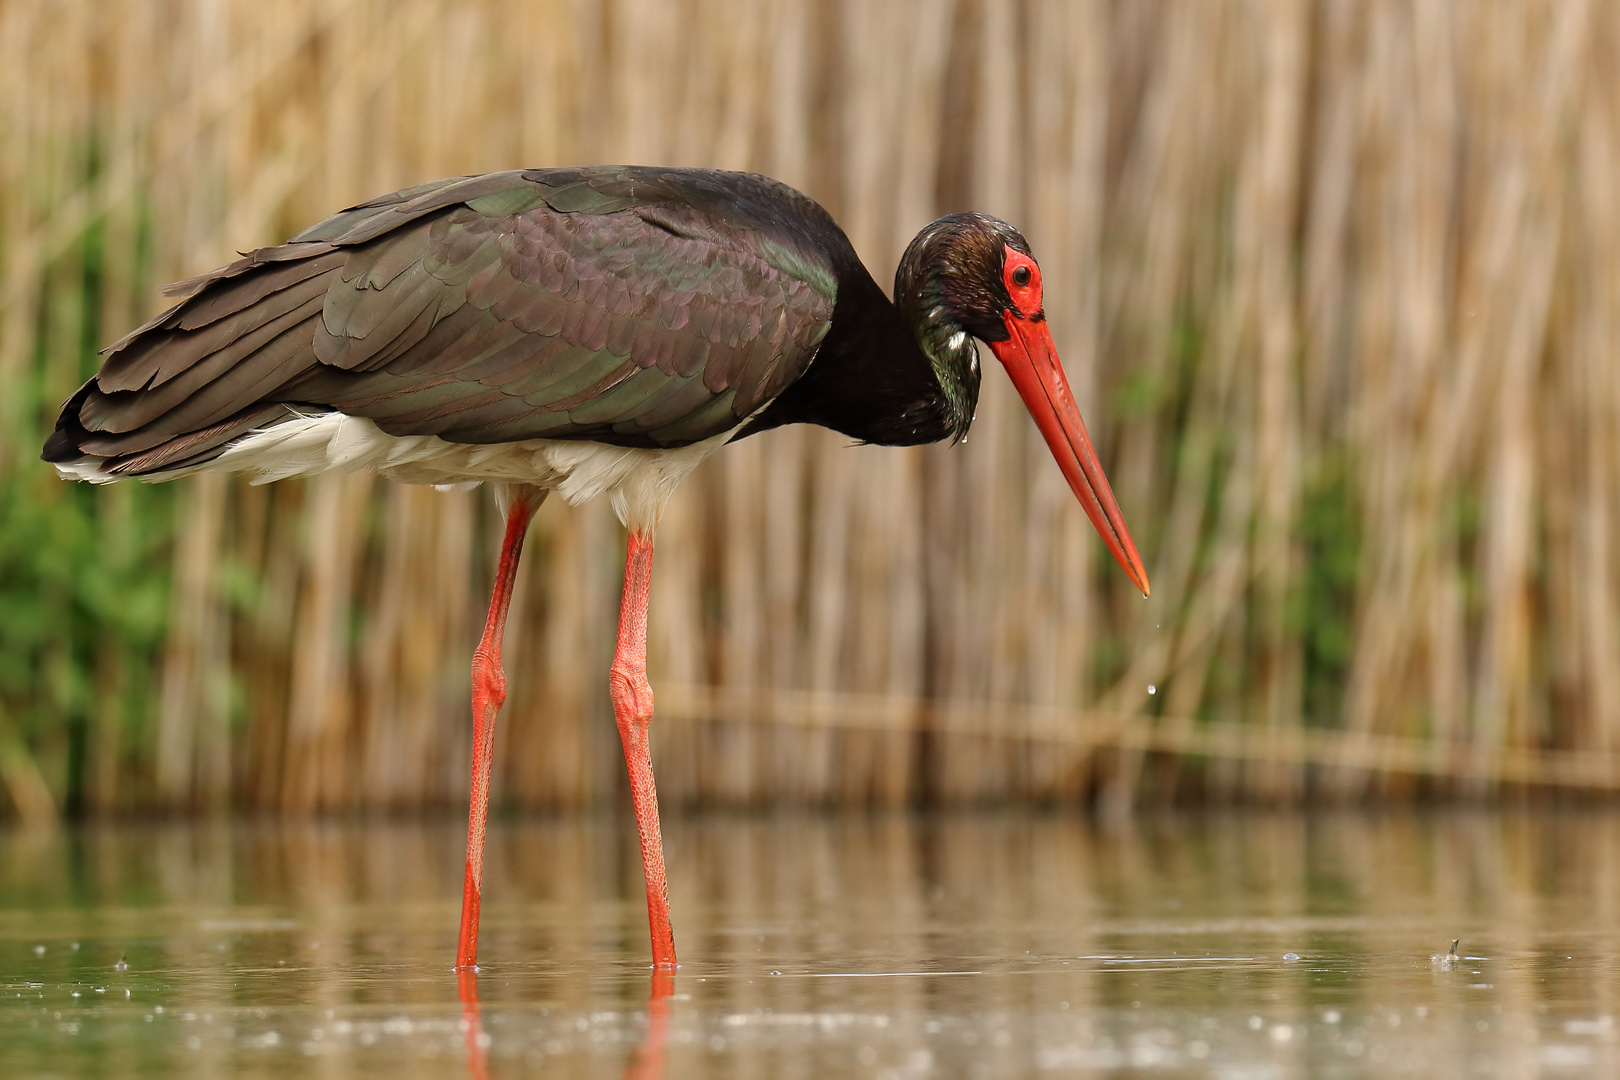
(619,305)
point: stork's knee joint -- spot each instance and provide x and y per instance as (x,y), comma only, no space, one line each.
(632,696)
(488,680)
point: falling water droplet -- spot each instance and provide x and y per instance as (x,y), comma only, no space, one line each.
(1152,689)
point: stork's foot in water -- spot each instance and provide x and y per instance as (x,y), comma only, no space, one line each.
(488,694)
(632,708)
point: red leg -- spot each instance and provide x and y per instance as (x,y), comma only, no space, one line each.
(488,692)
(633,708)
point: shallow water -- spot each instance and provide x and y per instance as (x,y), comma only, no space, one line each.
(960,945)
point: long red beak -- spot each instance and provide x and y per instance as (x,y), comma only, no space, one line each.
(1031,361)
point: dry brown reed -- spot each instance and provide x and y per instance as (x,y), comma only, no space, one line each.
(1337,285)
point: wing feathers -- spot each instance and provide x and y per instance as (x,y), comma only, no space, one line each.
(196,447)
(270,368)
(160,353)
(207,309)
(234,364)
(483,308)
(682,397)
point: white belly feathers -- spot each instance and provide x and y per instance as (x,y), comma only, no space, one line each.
(639,482)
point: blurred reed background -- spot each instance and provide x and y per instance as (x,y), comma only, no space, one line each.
(1336,284)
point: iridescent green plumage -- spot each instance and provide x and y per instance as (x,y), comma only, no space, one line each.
(611,304)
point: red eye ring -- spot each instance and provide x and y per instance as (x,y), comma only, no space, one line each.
(1022,279)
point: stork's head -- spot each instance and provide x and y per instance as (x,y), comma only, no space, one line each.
(972,276)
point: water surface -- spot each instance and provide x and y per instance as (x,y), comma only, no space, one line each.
(960,945)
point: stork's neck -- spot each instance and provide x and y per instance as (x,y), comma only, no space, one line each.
(922,303)
(880,376)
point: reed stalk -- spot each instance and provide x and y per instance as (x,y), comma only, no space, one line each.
(1336,285)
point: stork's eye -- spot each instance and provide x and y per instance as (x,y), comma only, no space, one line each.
(1021,279)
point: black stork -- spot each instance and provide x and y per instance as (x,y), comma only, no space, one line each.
(582,330)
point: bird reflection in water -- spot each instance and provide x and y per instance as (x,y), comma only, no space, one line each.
(646,1062)
(472,1024)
